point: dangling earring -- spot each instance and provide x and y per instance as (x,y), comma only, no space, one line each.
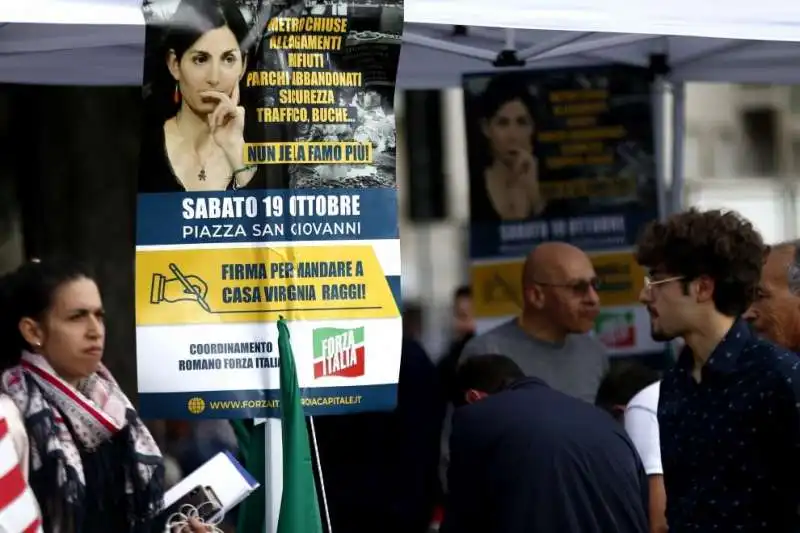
(176,96)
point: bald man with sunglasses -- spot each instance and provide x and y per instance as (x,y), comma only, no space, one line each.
(549,339)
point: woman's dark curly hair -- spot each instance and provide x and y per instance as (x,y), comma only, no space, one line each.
(29,292)
(721,245)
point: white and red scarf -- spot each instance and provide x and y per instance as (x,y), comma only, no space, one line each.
(18,508)
(96,410)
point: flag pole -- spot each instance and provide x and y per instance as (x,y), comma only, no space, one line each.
(321,479)
(273,492)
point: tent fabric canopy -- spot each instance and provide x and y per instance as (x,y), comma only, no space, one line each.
(74,54)
(433,57)
(732,19)
(100,42)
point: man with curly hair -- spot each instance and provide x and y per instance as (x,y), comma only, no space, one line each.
(728,411)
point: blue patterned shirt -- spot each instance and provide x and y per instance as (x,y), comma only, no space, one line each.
(730,444)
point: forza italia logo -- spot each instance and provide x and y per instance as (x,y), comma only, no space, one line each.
(339,352)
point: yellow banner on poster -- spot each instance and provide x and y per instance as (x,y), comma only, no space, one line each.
(497,287)
(259,284)
(311,153)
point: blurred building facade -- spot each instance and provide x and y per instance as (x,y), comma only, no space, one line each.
(742,151)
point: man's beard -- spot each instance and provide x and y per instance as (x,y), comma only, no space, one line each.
(658,335)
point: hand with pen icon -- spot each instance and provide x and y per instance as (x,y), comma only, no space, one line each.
(181,288)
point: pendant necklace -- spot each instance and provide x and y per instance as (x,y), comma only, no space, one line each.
(202,174)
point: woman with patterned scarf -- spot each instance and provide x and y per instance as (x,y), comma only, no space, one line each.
(94,467)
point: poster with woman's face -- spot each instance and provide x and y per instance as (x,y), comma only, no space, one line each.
(559,155)
(226,82)
(267,191)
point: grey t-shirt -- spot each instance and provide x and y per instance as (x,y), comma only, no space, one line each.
(574,367)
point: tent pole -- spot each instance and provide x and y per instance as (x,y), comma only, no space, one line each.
(678,135)
(274,472)
(659,69)
(570,44)
(659,142)
(510,40)
(444,46)
(508,55)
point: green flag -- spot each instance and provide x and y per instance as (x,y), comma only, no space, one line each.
(299,512)
(299,507)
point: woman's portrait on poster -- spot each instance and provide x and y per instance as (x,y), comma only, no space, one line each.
(504,169)
(194,139)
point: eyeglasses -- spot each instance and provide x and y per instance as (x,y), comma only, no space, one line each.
(649,282)
(579,288)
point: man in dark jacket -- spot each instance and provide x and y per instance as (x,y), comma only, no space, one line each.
(525,458)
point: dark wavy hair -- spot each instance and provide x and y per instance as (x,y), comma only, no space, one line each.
(191,20)
(502,90)
(721,245)
(490,373)
(28,292)
(462,291)
(620,384)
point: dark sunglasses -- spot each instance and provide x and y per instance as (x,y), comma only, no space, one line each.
(579,287)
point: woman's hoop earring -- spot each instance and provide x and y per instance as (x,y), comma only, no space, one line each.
(176,96)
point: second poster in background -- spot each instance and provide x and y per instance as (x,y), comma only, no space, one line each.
(562,155)
(267,188)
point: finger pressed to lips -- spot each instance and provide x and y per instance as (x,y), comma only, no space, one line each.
(221,96)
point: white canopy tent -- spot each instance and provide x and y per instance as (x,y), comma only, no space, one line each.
(436,55)
(100,42)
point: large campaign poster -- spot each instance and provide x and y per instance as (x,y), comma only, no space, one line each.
(267,189)
(562,155)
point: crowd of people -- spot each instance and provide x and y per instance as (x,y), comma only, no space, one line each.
(528,427)
(710,445)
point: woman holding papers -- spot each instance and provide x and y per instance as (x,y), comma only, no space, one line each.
(94,467)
